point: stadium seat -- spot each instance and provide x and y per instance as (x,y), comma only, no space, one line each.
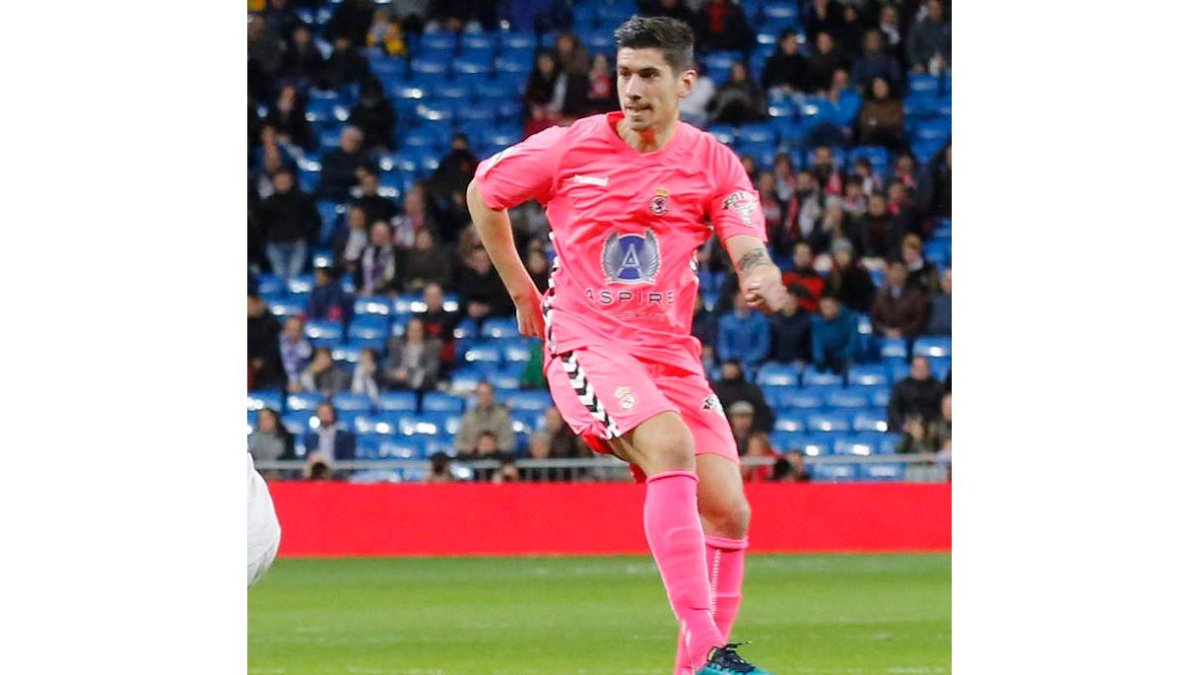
(505,381)
(789,397)
(287,306)
(778,375)
(395,448)
(365,476)
(881,397)
(398,401)
(301,284)
(870,420)
(481,352)
(425,424)
(347,352)
(789,420)
(887,443)
(380,424)
(858,444)
(299,423)
(828,421)
(518,350)
(893,348)
(815,445)
(815,378)
(881,471)
(725,133)
(251,421)
(939,367)
(848,399)
(930,346)
(257,400)
(827,472)
(435,401)
(478,43)
(463,381)
(347,402)
(787,441)
(533,400)
(899,368)
(867,375)
(527,421)
(500,328)
(317,329)
(368,327)
(304,400)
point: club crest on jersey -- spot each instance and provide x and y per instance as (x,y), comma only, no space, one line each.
(626,398)
(659,205)
(631,258)
(743,203)
(713,403)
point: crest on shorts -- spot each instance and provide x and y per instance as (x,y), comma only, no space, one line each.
(659,204)
(626,398)
(631,258)
(742,202)
(713,403)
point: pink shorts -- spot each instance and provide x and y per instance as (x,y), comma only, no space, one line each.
(606,395)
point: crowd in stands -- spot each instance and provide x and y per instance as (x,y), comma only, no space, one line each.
(367,278)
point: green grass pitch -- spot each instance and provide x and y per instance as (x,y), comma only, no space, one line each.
(590,615)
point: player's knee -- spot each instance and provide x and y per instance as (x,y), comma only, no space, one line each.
(728,518)
(666,445)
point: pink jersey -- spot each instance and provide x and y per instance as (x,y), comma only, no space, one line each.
(625,227)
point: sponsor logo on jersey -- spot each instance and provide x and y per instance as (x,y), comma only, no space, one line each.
(625,397)
(743,203)
(602,181)
(713,403)
(631,258)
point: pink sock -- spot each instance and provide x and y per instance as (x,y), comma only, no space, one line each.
(677,543)
(726,559)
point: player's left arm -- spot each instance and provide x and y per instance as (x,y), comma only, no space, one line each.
(760,279)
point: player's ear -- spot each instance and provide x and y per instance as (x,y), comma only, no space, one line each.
(687,80)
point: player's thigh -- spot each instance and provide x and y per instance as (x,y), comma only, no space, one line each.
(701,411)
(659,444)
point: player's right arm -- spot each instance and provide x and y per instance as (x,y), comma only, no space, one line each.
(522,172)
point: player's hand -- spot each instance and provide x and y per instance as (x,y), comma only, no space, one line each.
(530,322)
(765,291)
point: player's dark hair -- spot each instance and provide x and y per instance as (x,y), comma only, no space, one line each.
(671,36)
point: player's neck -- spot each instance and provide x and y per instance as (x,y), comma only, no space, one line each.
(650,140)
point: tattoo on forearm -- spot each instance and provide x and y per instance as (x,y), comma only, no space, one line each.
(756,258)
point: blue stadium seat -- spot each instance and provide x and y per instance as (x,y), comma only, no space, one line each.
(346,352)
(287,306)
(930,346)
(533,400)
(251,421)
(257,400)
(887,443)
(872,419)
(451,91)
(789,420)
(834,473)
(471,66)
(347,402)
(815,445)
(881,471)
(520,42)
(488,90)
(318,329)
(815,378)
(380,424)
(518,350)
(398,401)
(430,69)
(848,399)
(893,348)
(828,421)
(867,375)
(298,423)
(465,380)
(788,441)
(304,400)
(899,368)
(424,424)
(357,345)
(301,284)
(845,111)
(368,327)
(790,397)
(778,375)
(527,421)
(467,113)
(881,397)
(725,133)
(482,352)
(778,11)
(500,328)
(322,258)
(856,444)
(503,381)
(397,448)
(922,83)
(436,401)
(939,367)
(757,133)
(879,157)
(269,284)
(478,43)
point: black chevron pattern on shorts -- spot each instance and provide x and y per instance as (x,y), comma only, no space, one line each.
(587,395)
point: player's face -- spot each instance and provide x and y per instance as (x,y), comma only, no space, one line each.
(650,90)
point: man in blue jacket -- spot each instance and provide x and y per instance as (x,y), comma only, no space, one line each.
(743,335)
(833,336)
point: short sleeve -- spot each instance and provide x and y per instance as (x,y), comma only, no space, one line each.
(523,171)
(734,206)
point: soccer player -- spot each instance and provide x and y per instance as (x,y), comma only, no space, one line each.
(627,195)
(262,525)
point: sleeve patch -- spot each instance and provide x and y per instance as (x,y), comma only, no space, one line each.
(741,202)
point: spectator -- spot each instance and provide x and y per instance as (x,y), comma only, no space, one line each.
(904,170)
(345,66)
(367,376)
(454,16)
(929,41)
(791,468)
(865,171)
(721,25)
(374,205)
(828,176)
(738,100)
(486,416)
(563,442)
(802,222)
(934,185)
(539,269)
(439,469)
(413,360)
(904,217)
(758,446)
(694,108)
(602,94)
(939,429)
(922,274)
(676,9)
(423,264)
(822,64)
(265,48)
(802,280)
(375,116)
(328,301)
(734,387)
(851,31)
(785,176)
(873,232)
(270,441)
(508,472)
(939,309)
(539,92)
(539,449)
(854,202)
(881,118)
(570,99)
(341,166)
(823,16)
(351,20)
(377,268)
(915,437)
(280,18)
(786,69)
(741,423)
(833,226)
(262,332)
(417,216)
(899,310)
(289,222)
(875,62)
(455,171)
(893,34)
(833,337)
(303,62)
(481,288)
(352,240)
(916,395)
(327,442)
(848,280)
(790,332)
(704,323)
(378,30)
(323,375)
(743,334)
(440,322)
(287,118)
